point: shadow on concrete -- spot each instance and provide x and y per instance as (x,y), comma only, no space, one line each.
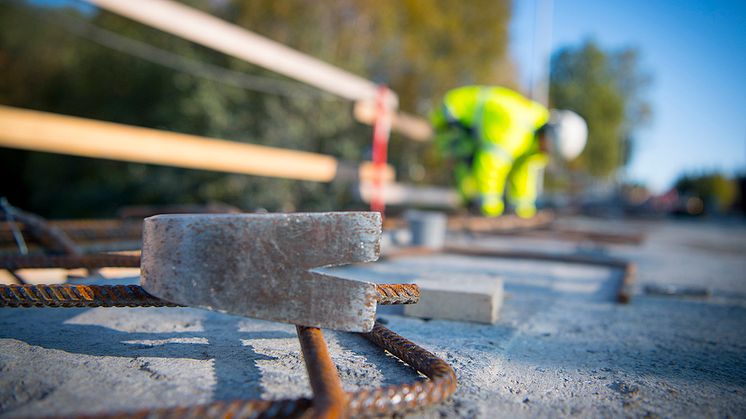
(234,363)
(393,370)
(654,339)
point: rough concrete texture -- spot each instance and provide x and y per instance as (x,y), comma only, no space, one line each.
(560,348)
(475,298)
(220,261)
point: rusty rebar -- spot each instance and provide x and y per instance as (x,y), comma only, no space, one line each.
(124,231)
(51,237)
(405,397)
(572,235)
(389,400)
(236,409)
(68,295)
(389,294)
(16,236)
(533,255)
(329,399)
(83,223)
(478,224)
(93,261)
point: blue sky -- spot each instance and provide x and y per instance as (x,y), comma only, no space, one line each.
(696,53)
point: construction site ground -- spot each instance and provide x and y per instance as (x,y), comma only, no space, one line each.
(562,346)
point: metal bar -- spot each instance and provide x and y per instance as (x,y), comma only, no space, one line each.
(18,278)
(329,399)
(93,261)
(388,401)
(67,295)
(544,232)
(389,294)
(532,255)
(70,296)
(112,234)
(15,233)
(84,230)
(49,236)
(475,224)
(404,194)
(235,409)
(396,399)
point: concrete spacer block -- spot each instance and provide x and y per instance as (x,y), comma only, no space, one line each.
(474,298)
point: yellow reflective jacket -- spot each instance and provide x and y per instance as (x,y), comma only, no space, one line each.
(491,131)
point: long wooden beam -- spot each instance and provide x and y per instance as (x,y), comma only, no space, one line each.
(204,29)
(212,32)
(42,131)
(411,126)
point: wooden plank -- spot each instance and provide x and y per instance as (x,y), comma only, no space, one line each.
(411,126)
(212,32)
(41,131)
(183,21)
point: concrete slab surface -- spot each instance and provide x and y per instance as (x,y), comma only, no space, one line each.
(562,347)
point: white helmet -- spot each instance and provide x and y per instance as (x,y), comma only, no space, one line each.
(567,133)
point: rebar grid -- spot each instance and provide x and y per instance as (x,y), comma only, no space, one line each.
(329,401)
(384,401)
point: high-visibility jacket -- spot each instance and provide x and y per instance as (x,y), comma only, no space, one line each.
(491,132)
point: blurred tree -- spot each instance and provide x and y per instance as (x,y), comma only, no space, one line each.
(608,89)
(419,48)
(718,192)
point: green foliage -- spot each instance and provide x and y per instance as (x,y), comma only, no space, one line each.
(607,88)
(717,191)
(419,48)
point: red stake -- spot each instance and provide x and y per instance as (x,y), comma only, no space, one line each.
(381,133)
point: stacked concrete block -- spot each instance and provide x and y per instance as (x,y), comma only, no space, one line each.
(473,298)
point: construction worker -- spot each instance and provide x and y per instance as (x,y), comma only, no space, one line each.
(497,136)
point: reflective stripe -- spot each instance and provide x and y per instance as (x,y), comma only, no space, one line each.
(491,198)
(497,151)
(478,122)
(520,201)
